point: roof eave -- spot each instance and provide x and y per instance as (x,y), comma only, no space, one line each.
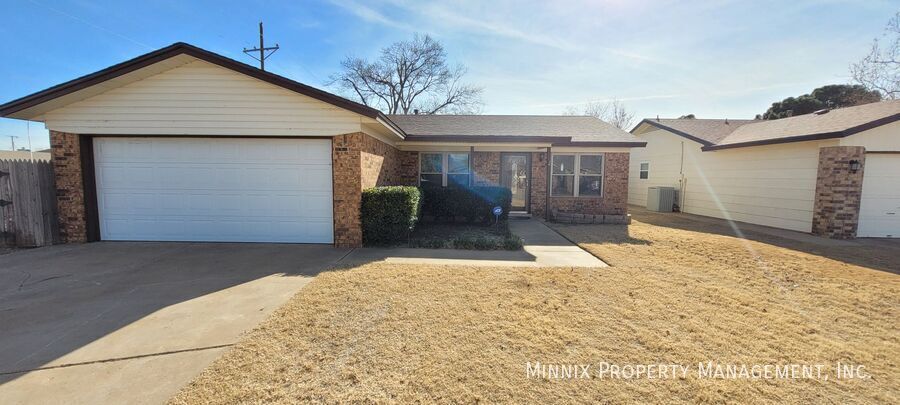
(775,141)
(551,140)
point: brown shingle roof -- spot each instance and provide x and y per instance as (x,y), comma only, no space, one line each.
(513,128)
(836,123)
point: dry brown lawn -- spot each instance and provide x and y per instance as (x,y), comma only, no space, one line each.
(679,292)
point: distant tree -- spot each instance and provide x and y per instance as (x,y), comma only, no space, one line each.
(880,69)
(613,112)
(408,76)
(687,117)
(831,96)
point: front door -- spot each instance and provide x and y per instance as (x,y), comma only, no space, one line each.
(515,170)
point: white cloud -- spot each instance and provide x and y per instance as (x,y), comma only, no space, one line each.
(371,15)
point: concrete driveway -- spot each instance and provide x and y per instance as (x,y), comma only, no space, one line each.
(117,322)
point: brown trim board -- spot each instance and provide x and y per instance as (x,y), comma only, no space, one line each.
(210,136)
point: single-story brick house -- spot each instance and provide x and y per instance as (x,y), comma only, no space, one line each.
(834,173)
(182,144)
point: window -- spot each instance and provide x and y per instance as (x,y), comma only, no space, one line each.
(645,170)
(563,182)
(457,169)
(431,168)
(590,175)
(443,169)
(577,175)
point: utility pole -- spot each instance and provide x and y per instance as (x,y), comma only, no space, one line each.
(12,138)
(264,52)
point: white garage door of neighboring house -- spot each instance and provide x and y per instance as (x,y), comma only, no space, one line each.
(879,210)
(214,189)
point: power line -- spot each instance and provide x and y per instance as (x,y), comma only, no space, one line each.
(263,51)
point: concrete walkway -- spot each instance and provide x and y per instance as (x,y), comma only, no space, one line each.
(543,247)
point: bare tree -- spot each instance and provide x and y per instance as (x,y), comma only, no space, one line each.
(880,69)
(408,76)
(613,112)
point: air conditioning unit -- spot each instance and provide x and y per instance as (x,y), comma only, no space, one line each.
(660,199)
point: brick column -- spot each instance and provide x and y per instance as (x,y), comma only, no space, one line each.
(359,162)
(66,153)
(615,184)
(838,192)
(347,174)
(538,184)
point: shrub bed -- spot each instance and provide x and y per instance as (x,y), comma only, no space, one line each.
(465,236)
(471,204)
(389,214)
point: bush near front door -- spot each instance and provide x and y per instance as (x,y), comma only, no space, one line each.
(473,204)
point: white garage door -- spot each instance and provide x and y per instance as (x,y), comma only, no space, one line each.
(879,210)
(214,189)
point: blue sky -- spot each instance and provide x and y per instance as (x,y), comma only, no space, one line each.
(711,58)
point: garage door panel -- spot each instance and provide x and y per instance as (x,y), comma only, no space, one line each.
(879,209)
(180,189)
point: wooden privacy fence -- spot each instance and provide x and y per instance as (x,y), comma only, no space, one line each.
(27,204)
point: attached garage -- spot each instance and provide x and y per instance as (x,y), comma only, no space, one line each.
(214,189)
(182,144)
(879,208)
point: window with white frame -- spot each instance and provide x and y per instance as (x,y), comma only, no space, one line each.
(577,175)
(444,168)
(645,170)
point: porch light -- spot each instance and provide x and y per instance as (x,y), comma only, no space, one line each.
(854,166)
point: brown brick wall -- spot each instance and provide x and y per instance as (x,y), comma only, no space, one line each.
(66,153)
(380,163)
(614,200)
(359,162)
(838,192)
(409,168)
(487,168)
(538,184)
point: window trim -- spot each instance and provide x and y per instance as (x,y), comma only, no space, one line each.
(577,174)
(642,170)
(445,166)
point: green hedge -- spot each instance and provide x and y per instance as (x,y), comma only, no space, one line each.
(474,204)
(388,214)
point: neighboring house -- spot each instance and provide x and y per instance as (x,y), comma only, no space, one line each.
(182,144)
(23,155)
(834,173)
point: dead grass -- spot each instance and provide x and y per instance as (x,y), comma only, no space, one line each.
(388,333)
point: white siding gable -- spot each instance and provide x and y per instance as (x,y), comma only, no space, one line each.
(200,98)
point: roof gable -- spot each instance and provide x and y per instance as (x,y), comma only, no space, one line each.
(703,131)
(156,62)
